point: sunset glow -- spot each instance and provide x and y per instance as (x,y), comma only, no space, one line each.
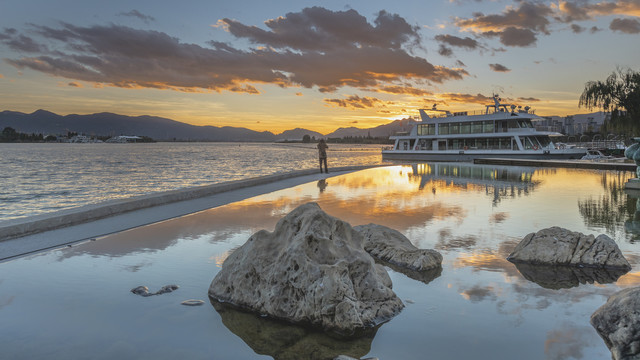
(280,66)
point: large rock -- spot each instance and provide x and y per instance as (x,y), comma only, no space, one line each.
(558,246)
(391,246)
(618,323)
(311,269)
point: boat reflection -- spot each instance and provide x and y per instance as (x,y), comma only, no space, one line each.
(284,341)
(498,181)
(566,277)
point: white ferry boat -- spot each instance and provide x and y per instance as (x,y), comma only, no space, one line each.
(500,131)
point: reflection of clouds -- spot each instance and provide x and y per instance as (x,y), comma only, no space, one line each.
(498,217)
(7,302)
(137,267)
(479,293)
(629,280)
(568,341)
(220,258)
(446,242)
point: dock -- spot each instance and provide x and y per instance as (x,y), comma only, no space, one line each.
(599,165)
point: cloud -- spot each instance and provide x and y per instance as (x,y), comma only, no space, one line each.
(466,98)
(315,47)
(396,89)
(452,40)
(532,16)
(499,68)
(582,10)
(445,51)
(139,15)
(577,28)
(75,84)
(356,102)
(627,26)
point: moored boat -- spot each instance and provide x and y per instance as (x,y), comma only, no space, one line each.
(500,131)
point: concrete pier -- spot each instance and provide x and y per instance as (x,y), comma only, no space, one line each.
(620,166)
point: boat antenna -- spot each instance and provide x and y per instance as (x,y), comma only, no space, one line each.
(434,107)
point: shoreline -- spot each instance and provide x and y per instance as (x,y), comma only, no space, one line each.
(29,235)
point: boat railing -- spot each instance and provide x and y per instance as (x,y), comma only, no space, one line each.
(469,113)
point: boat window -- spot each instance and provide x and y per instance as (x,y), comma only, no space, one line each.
(487,126)
(476,127)
(465,128)
(544,141)
(426,129)
(443,129)
(505,143)
(530,143)
(454,128)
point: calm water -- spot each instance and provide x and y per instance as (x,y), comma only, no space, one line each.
(74,303)
(40,178)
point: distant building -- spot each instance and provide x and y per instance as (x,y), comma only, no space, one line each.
(573,124)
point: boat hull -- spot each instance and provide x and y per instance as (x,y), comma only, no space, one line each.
(470,155)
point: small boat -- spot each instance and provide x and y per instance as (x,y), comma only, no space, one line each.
(596,155)
(500,131)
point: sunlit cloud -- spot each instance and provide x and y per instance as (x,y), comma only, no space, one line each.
(313,48)
(356,102)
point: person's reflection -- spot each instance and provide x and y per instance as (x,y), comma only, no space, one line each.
(322,184)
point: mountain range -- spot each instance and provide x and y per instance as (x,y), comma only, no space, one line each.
(158,128)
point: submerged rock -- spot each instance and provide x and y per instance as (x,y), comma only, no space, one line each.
(618,323)
(558,246)
(144,291)
(391,246)
(311,269)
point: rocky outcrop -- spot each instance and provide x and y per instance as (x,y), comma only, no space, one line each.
(144,291)
(391,246)
(311,269)
(618,323)
(558,246)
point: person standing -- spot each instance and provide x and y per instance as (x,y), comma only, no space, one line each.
(322,154)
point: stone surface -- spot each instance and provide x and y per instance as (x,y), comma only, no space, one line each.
(618,323)
(558,246)
(391,246)
(144,291)
(312,269)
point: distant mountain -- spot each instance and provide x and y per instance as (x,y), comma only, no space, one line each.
(109,124)
(298,134)
(44,122)
(378,131)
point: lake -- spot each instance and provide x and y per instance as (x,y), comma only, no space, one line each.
(75,302)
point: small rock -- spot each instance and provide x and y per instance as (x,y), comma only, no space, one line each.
(192,302)
(391,246)
(144,291)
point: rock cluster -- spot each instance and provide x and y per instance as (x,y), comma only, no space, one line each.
(391,246)
(559,246)
(618,323)
(311,269)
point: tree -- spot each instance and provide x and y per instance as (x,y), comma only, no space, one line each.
(620,94)
(306,139)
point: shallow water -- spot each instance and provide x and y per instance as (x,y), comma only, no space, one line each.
(41,178)
(76,302)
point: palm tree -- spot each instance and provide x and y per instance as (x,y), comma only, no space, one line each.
(620,94)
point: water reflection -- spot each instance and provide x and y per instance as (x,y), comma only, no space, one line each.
(497,181)
(612,208)
(564,277)
(284,341)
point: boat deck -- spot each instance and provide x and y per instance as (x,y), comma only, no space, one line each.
(623,166)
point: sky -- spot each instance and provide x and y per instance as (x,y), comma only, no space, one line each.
(278,65)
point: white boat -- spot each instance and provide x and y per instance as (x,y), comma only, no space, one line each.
(500,131)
